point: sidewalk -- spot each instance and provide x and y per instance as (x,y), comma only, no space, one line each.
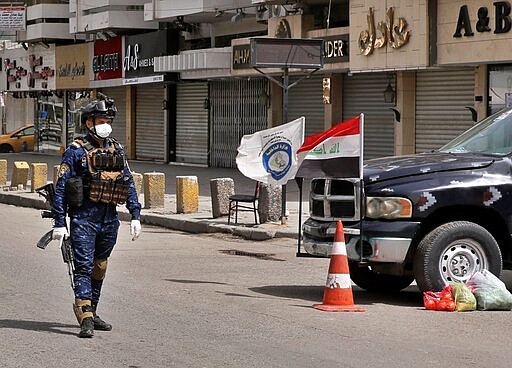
(200,222)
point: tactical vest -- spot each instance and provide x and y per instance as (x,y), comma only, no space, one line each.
(107,184)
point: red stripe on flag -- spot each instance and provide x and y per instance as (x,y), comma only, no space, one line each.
(348,127)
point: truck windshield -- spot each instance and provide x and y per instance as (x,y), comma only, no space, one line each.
(491,136)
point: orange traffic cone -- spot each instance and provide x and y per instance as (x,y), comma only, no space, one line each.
(338,289)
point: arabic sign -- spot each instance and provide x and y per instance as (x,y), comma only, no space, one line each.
(73,66)
(386,33)
(13,18)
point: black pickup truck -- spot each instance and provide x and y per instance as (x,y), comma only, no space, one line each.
(434,217)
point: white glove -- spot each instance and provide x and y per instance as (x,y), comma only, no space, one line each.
(59,233)
(135,229)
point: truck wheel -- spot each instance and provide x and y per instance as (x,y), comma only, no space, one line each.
(454,252)
(369,280)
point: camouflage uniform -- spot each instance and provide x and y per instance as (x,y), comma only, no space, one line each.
(93,226)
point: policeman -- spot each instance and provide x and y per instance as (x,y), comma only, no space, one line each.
(93,178)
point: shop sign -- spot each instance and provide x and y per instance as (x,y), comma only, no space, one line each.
(141,50)
(502,23)
(72,66)
(385,34)
(241,56)
(36,71)
(106,62)
(336,49)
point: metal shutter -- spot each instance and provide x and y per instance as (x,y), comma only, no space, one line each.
(150,134)
(441,97)
(237,107)
(191,123)
(119,125)
(364,93)
(305,99)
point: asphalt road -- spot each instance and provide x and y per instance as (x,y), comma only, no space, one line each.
(181,300)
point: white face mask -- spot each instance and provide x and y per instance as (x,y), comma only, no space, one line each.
(103,130)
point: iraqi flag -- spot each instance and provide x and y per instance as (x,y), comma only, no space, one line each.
(335,153)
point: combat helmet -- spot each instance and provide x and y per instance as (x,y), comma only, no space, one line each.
(104,106)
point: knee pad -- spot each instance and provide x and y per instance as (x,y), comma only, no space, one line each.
(99,269)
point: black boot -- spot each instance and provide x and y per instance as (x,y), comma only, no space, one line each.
(99,324)
(86,327)
(84,315)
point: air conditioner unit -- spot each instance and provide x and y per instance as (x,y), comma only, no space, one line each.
(278,11)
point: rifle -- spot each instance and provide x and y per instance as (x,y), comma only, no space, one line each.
(48,192)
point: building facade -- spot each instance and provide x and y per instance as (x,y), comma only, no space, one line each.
(181,73)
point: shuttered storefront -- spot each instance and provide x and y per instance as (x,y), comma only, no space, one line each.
(192,123)
(305,99)
(150,142)
(119,125)
(364,93)
(237,107)
(441,97)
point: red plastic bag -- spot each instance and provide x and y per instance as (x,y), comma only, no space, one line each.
(440,300)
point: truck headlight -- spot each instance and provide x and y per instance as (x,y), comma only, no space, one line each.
(388,207)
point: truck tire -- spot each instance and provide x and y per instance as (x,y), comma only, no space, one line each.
(369,280)
(454,252)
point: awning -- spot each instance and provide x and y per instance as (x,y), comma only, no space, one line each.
(197,64)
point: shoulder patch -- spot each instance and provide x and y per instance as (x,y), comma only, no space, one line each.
(63,169)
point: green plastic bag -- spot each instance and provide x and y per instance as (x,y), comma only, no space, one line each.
(465,301)
(490,292)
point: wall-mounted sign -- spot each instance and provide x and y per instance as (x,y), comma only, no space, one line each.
(26,70)
(140,51)
(502,20)
(106,61)
(13,18)
(336,49)
(303,53)
(241,56)
(386,33)
(72,66)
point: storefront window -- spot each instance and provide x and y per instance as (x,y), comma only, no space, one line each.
(48,123)
(500,87)
(76,100)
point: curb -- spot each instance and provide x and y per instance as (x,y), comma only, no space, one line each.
(188,225)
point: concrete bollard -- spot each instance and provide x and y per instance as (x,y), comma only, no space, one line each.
(154,190)
(269,203)
(221,189)
(187,194)
(137,180)
(3,172)
(38,175)
(20,174)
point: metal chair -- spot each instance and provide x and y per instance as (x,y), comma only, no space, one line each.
(235,205)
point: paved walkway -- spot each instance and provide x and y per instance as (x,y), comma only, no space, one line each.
(200,222)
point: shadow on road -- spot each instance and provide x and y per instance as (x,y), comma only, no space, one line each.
(410,296)
(53,327)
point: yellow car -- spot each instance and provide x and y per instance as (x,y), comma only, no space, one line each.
(20,140)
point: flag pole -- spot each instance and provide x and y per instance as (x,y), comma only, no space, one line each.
(284,220)
(299,182)
(361,183)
